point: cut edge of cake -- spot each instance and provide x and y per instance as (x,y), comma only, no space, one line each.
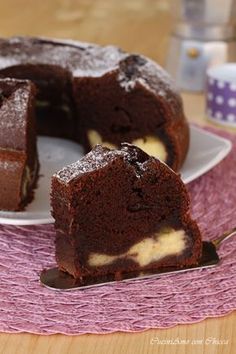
(19,163)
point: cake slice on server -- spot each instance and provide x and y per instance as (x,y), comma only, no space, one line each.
(120,211)
(18,150)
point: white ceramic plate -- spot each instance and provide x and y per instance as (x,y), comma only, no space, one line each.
(206,151)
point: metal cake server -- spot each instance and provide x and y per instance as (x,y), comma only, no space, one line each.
(57,280)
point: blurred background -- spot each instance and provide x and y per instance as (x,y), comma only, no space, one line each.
(135,25)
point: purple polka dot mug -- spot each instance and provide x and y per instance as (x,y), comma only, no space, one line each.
(221,94)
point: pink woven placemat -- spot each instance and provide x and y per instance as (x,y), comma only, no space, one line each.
(26,306)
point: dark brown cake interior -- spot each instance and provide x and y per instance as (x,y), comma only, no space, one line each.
(113,200)
(54,104)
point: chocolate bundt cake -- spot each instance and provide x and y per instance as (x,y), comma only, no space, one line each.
(119,211)
(94,94)
(18,151)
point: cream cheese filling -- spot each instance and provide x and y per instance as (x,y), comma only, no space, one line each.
(25,182)
(95,138)
(149,144)
(152,146)
(165,243)
(28,179)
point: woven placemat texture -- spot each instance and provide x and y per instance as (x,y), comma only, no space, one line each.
(130,306)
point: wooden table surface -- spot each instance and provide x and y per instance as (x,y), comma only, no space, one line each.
(139,26)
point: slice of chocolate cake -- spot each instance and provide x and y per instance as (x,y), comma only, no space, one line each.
(120,211)
(18,151)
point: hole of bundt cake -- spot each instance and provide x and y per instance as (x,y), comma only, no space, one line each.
(55,112)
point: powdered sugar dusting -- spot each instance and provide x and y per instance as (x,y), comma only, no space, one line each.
(98,158)
(97,61)
(149,74)
(18,51)
(81,59)
(137,70)
(13,112)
